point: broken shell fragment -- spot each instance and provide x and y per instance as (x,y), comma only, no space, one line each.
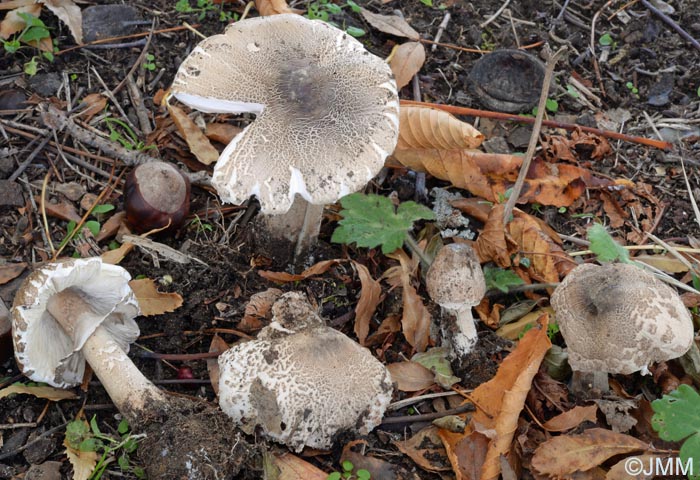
(301,381)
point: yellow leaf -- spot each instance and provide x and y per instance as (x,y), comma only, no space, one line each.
(151,301)
(408,59)
(429,128)
(667,263)
(114,257)
(292,467)
(199,144)
(49,393)
(83,462)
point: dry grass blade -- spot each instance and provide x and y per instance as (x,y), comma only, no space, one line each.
(430,128)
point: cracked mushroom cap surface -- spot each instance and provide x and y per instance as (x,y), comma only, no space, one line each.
(44,351)
(301,381)
(455,279)
(617,318)
(327,109)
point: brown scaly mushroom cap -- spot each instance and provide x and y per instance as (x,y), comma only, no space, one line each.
(43,350)
(327,110)
(301,381)
(617,318)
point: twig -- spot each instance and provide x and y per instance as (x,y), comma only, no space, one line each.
(29,159)
(44,218)
(669,21)
(548,123)
(495,15)
(534,137)
(427,417)
(123,37)
(410,401)
(596,67)
(14,452)
(441,29)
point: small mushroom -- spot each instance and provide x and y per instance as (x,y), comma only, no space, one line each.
(83,310)
(617,318)
(456,282)
(301,381)
(327,116)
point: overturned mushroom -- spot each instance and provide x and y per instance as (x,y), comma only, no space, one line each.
(301,381)
(327,116)
(456,282)
(617,318)
(82,310)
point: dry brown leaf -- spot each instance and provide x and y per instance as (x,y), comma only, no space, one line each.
(259,308)
(199,144)
(422,128)
(426,449)
(283,277)
(407,60)
(61,209)
(273,7)
(512,330)
(12,4)
(46,392)
(10,271)
(415,320)
(94,103)
(411,376)
(370,296)
(466,452)
(354,452)
(110,227)
(566,454)
(536,343)
(294,468)
(391,24)
(114,257)
(391,324)
(222,132)
(619,471)
(13,23)
(151,301)
(668,263)
(70,14)
(218,345)
(571,418)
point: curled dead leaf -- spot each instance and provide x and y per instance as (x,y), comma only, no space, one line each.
(46,392)
(391,24)
(370,296)
(151,301)
(10,271)
(199,144)
(218,345)
(258,308)
(283,277)
(571,418)
(411,376)
(426,449)
(422,128)
(407,60)
(273,7)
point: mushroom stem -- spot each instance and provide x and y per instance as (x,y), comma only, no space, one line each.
(131,392)
(461,333)
(298,229)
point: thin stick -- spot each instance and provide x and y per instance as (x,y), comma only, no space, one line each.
(44,218)
(441,29)
(650,142)
(669,21)
(135,35)
(534,137)
(495,15)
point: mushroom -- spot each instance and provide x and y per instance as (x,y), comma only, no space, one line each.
(83,310)
(301,381)
(456,282)
(327,117)
(617,318)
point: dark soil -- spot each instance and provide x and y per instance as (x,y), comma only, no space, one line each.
(664,71)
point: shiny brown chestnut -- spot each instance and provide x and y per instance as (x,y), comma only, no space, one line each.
(156,193)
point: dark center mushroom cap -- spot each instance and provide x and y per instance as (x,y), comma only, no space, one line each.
(327,109)
(617,318)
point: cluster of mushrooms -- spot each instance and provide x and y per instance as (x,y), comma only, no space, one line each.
(327,117)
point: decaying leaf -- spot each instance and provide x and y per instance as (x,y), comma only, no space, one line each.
(291,467)
(83,462)
(114,257)
(620,471)
(273,7)
(668,263)
(218,345)
(258,308)
(283,277)
(411,376)
(370,296)
(222,132)
(70,14)
(49,393)
(391,24)
(151,301)
(92,104)
(566,454)
(426,449)
(466,452)
(571,418)
(10,271)
(408,59)
(354,452)
(199,144)
(422,128)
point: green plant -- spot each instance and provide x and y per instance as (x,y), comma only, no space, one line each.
(118,447)
(677,418)
(120,132)
(551,105)
(199,226)
(149,63)
(321,9)
(604,247)
(33,33)
(605,40)
(427,3)
(348,473)
(92,225)
(573,93)
(203,8)
(552,330)
(561,210)
(486,42)
(501,279)
(372,220)
(633,90)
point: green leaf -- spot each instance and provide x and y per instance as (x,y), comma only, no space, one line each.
(572,91)
(677,417)
(356,9)
(333,8)
(89,445)
(363,474)
(93,226)
(104,208)
(371,220)
(31,20)
(355,32)
(501,279)
(333,476)
(552,105)
(435,360)
(31,67)
(123,462)
(75,432)
(93,426)
(428,3)
(604,247)
(605,40)
(347,466)
(123,427)
(35,34)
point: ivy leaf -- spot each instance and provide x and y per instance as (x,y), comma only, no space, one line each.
(604,247)
(371,220)
(677,417)
(501,279)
